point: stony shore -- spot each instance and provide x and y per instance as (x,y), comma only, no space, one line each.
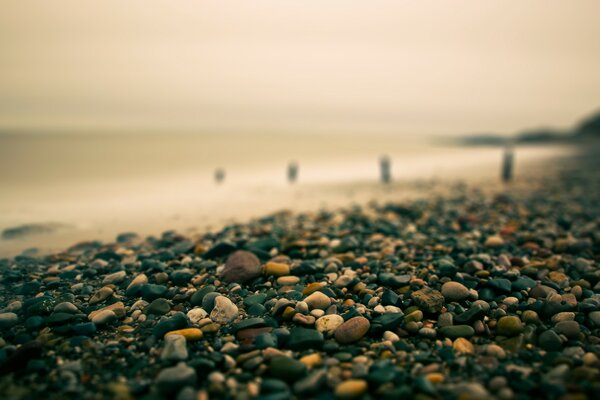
(466,296)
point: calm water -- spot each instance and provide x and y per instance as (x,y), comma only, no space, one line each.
(99,185)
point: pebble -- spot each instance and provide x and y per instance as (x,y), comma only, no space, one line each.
(428,300)
(351,389)
(286,368)
(104,317)
(457,331)
(454,291)
(463,345)
(190,334)
(318,300)
(101,295)
(8,320)
(352,330)
(327,324)
(172,379)
(175,348)
(509,326)
(114,278)
(241,266)
(224,310)
(277,269)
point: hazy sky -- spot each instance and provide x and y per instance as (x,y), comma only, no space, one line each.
(406,67)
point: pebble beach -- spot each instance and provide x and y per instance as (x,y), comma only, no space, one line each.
(473,294)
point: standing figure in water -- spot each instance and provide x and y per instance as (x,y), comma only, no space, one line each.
(507,164)
(292,172)
(219,175)
(385,166)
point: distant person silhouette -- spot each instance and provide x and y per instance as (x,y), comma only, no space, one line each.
(508,164)
(385,166)
(292,172)
(219,175)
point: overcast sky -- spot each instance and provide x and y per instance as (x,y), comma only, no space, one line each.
(405,67)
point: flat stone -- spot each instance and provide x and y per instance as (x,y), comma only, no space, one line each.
(158,306)
(549,340)
(352,330)
(286,368)
(304,338)
(190,334)
(104,317)
(277,269)
(116,277)
(456,331)
(351,389)
(177,321)
(428,300)
(101,295)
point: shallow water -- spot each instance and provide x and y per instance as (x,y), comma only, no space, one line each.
(96,186)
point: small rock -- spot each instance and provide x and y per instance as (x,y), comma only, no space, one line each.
(172,379)
(318,300)
(224,310)
(114,278)
(454,291)
(509,326)
(327,324)
(175,348)
(351,389)
(190,334)
(428,300)
(8,320)
(286,368)
(241,267)
(277,269)
(101,295)
(352,330)
(104,317)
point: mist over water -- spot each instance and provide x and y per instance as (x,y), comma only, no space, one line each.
(101,185)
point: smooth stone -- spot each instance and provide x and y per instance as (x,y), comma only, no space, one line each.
(84,329)
(327,324)
(174,378)
(177,321)
(523,283)
(104,317)
(463,345)
(66,307)
(8,320)
(494,241)
(277,269)
(241,267)
(456,331)
(351,389)
(158,306)
(475,313)
(549,340)
(151,291)
(224,310)
(509,326)
(181,277)
(570,329)
(190,334)
(198,296)
(500,284)
(318,300)
(175,348)
(208,301)
(101,295)
(288,280)
(196,315)
(454,291)
(118,308)
(116,277)
(304,338)
(428,300)
(286,368)
(352,330)
(594,316)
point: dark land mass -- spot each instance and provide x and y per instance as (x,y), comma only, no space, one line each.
(588,129)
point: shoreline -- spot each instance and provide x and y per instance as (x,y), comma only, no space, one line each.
(471,292)
(139,207)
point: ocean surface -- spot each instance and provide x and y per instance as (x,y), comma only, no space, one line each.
(93,186)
